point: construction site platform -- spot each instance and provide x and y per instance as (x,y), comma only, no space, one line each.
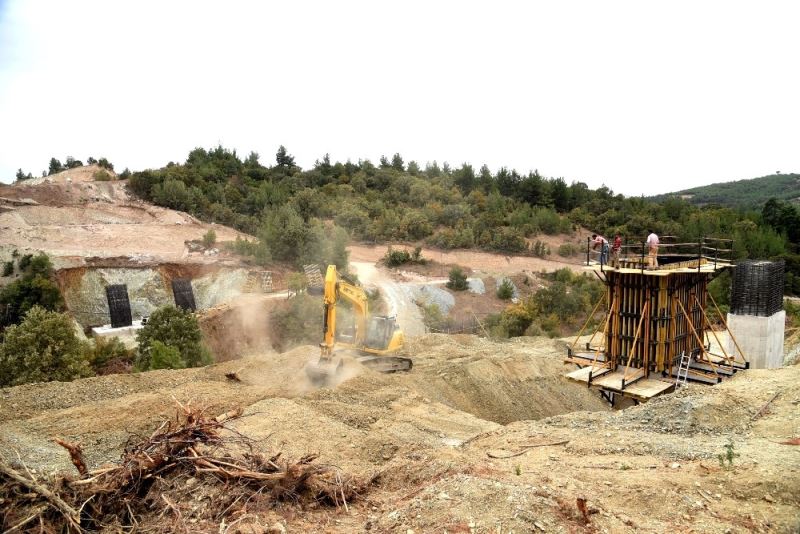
(663,270)
(636,387)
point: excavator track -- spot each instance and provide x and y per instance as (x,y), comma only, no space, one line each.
(324,372)
(386,364)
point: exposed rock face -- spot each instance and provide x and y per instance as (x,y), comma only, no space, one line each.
(148,289)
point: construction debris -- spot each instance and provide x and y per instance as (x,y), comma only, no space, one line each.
(194,453)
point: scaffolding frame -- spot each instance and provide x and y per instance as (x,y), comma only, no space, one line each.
(652,317)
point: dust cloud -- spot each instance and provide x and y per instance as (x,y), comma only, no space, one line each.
(399,298)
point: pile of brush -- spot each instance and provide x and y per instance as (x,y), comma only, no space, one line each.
(192,458)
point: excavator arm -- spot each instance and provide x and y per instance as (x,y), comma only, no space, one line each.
(334,289)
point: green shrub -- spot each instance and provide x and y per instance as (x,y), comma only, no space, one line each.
(505,290)
(257,249)
(505,239)
(563,274)
(540,250)
(174,328)
(42,348)
(35,288)
(105,350)
(458,280)
(516,319)
(297,282)
(449,238)
(165,357)
(24,262)
(209,238)
(432,316)
(552,310)
(8,268)
(551,324)
(566,250)
(101,176)
(393,258)
(549,221)
(726,459)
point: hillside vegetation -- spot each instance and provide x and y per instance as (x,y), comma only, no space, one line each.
(752,193)
(308,215)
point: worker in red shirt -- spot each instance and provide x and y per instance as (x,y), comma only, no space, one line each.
(615,250)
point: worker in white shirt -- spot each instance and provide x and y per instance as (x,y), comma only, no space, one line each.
(652,246)
(602,242)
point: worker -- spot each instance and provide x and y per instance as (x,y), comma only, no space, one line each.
(602,242)
(615,250)
(652,247)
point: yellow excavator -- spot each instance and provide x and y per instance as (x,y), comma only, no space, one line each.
(373,341)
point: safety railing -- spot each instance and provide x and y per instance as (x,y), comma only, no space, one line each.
(669,255)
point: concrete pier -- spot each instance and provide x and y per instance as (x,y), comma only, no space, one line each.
(760,338)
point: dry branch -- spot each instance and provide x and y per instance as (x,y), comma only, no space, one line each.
(525,448)
(76,455)
(193,445)
(69,513)
(763,409)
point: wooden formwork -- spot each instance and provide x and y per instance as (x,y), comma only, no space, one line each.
(651,318)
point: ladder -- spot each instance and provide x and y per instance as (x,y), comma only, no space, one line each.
(683,370)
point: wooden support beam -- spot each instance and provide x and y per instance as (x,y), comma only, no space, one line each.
(725,323)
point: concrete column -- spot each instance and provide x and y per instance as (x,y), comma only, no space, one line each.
(760,338)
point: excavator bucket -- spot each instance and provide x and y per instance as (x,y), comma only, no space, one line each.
(323,371)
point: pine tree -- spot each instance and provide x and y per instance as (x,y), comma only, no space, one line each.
(283,158)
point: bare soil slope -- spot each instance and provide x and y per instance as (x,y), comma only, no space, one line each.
(72,217)
(436,442)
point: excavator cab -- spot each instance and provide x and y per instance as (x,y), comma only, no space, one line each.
(381,331)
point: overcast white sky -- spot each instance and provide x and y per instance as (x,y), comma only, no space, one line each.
(645,97)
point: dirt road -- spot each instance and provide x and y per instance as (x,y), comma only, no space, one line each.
(486,262)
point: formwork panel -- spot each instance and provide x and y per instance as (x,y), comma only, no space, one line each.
(119,306)
(654,318)
(183,294)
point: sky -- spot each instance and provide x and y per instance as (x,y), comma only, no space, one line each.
(643,97)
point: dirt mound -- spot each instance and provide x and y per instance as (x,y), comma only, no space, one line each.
(458,386)
(238,327)
(498,381)
(633,473)
(82,174)
(441,462)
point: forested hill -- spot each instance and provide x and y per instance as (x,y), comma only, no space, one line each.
(307,216)
(752,193)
